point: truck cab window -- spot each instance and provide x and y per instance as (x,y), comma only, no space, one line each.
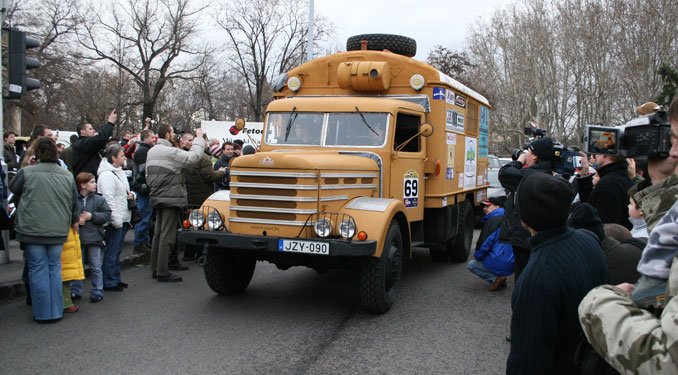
(406,127)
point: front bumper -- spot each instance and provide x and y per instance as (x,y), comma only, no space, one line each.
(226,240)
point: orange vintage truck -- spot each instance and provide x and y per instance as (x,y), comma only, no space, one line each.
(365,154)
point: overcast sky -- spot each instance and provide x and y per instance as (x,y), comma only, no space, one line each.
(429,22)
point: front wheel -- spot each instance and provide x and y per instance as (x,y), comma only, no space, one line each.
(228,274)
(380,278)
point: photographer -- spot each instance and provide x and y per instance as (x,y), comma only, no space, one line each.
(609,196)
(537,159)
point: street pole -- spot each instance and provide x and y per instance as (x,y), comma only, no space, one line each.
(4,253)
(309,51)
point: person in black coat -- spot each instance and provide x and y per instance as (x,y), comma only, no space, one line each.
(609,196)
(142,237)
(86,149)
(622,251)
(537,159)
(565,264)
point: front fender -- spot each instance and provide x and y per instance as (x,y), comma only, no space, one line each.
(221,201)
(373,216)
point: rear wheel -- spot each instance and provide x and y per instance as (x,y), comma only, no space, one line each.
(458,247)
(461,245)
(380,277)
(228,274)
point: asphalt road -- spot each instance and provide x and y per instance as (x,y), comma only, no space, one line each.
(287,322)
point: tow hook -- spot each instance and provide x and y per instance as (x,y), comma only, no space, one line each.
(203,258)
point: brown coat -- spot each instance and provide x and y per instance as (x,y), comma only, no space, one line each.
(200,180)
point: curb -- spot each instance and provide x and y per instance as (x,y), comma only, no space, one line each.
(13,290)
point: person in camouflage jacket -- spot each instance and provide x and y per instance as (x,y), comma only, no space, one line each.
(655,200)
(630,339)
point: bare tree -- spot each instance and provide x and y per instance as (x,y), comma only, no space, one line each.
(53,23)
(567,63)
(266,37)
(452,63)
(144,39)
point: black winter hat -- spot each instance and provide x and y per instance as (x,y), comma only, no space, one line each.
(543,148)
(585,216)
(544,201)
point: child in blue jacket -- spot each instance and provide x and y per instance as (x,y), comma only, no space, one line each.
(493,259)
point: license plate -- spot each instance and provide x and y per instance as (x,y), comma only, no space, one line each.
(306,247)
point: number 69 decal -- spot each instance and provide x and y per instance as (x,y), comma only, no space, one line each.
(411,189)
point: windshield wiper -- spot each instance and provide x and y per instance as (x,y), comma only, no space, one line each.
(293,116)
(365,121)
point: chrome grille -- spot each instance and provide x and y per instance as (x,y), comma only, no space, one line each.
(290,198)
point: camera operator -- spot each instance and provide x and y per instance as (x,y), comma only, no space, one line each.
(537,159)
(609,196)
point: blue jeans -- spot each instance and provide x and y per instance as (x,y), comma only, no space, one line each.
(93,253)
(114,238)
(44,273)
(141,228)
(477,268)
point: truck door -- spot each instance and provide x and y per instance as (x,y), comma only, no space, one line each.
(407,165)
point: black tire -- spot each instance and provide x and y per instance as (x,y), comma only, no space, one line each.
(228,274)
(401,45)
(461,246)
(380,278)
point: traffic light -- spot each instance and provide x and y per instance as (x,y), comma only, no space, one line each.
(17,84)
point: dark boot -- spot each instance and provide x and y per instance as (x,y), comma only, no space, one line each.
(174,265)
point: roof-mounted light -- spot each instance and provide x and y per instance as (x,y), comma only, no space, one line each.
(294,83)
(417,82)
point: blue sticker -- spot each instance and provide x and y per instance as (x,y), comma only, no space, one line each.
(439,93)
(484,132)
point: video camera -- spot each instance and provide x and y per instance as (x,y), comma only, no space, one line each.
(643,136)
(564,160)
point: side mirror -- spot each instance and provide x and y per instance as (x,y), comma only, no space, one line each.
(425,130)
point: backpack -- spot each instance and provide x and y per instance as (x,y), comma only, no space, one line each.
(139,179)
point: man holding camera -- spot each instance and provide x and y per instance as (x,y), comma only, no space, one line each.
(536,159)
(164,174)
(609,196)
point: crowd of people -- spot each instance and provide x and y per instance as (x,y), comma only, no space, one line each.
(593,260)
(592,257)
(76,204)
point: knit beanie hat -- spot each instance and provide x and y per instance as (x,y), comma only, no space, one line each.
(544,201)
(585,216)
(215,151)
(543,148)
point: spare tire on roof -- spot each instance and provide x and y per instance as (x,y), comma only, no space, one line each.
(399,44)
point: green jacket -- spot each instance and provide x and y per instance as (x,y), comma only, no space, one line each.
(47,203)
(200,180)
(655,200)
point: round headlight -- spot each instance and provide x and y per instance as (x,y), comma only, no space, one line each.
(214,221)
(323,227)
(347,228)
(196,218)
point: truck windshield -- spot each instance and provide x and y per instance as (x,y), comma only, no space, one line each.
(328,129)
